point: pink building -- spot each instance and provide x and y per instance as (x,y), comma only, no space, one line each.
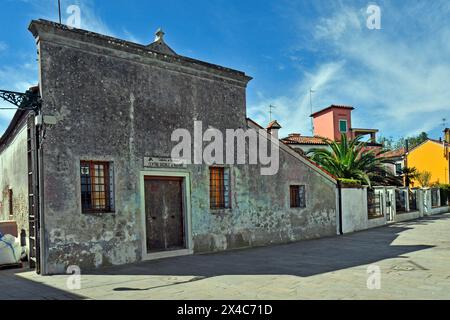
(330,123)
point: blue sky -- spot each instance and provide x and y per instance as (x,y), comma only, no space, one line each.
(397,78)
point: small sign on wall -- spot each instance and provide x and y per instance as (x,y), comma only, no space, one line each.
(155,162)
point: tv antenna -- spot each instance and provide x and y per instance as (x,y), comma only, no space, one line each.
(311,91)
(271,107)
(59,11)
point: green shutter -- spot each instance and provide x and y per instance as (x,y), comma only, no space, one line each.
(342,126)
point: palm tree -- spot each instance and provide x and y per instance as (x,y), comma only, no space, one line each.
(409,174)
(348,159)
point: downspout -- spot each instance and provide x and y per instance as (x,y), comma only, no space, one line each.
(340,206)
(40,180)
(42,246)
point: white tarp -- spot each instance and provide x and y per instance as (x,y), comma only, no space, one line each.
(10,249)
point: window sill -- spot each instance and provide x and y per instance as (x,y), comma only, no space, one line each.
(99,213)
(223,211)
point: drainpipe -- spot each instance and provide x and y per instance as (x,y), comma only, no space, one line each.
(340,207)
(42,246)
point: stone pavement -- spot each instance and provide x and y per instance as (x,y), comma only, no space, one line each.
(413,257)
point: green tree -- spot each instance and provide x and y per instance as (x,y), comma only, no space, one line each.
(424,178)
(388,143)
(349,159)
(413,141)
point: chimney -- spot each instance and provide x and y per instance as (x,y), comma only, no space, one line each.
(273,127)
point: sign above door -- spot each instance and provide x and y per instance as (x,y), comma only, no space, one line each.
(156,162)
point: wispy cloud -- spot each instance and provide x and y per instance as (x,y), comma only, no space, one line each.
(293,111)
(396,77)
(3,46)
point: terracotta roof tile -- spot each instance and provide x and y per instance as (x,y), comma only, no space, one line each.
(274,125)
(299,139)
(395,153)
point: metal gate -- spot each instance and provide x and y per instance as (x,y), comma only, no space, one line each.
(400,201)
(389,204)
(412,200)
(374,204)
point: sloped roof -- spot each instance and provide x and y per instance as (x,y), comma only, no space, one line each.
(160,45)
(155,50)
(274,125)
(441,143)
(395,153)
(299,139)
(303,158)
(333,106)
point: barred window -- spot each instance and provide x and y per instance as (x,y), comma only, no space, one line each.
(219,188)
(97,190)
(297,196)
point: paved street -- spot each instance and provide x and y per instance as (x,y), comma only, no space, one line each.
(414,259)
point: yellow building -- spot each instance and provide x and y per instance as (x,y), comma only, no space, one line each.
(433,156)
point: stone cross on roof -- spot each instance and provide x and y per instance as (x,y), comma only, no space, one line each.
(159,35)
(159,45)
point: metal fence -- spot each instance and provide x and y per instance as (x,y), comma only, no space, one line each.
(434,198)
(445,196)
(412,197)
(374,204)
(400,201)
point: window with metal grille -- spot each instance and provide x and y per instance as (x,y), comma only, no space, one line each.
(97,190)
(219,188)
(297,196)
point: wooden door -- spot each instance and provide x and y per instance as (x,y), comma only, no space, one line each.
(164,213)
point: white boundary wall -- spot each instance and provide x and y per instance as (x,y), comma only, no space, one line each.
(355,211)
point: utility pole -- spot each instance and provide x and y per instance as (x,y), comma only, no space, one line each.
(311,91)
(270,112)
(407,175)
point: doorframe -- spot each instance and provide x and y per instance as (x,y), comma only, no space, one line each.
(186,196)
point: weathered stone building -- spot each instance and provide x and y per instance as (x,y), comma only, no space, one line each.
(108,191)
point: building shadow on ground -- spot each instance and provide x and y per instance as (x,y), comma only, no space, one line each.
(303,259)
(14,287)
